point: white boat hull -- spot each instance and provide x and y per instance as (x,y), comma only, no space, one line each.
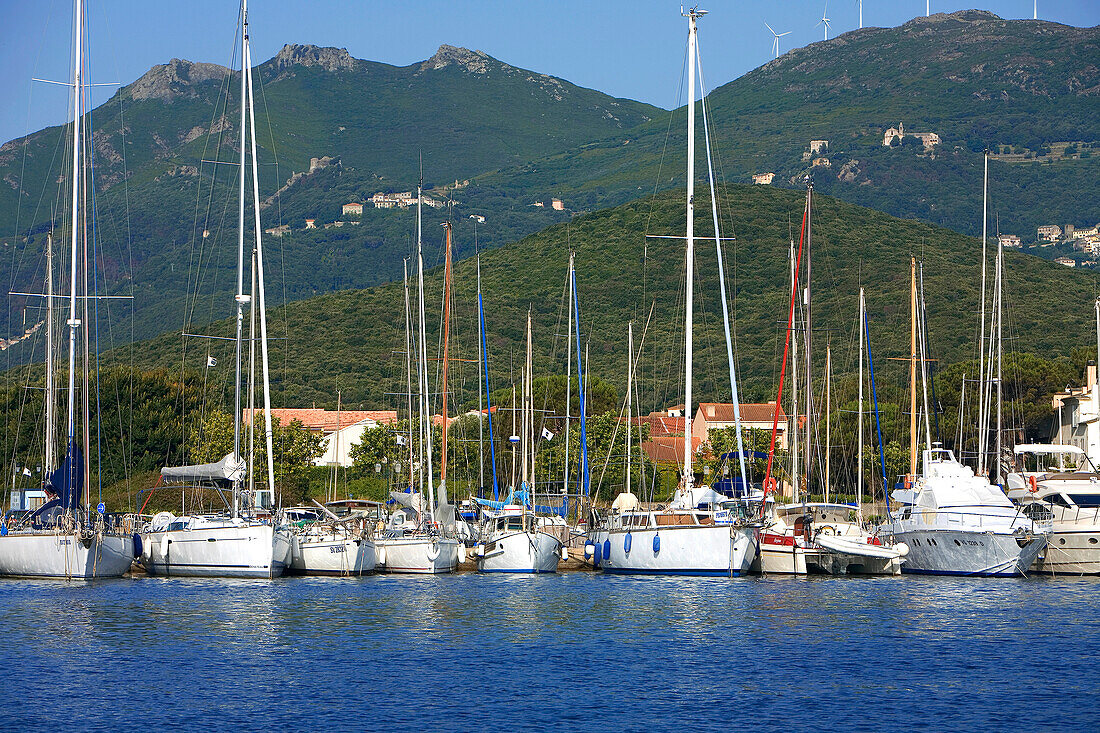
(520,552)
(331,556)
(684,550)
(1071,552)
(969,552)
(783,554)
(420,555)
(56,555)
(218,550)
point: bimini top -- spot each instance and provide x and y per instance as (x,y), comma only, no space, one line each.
(226,471)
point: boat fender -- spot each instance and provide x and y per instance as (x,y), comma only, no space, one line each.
(380,556)
(479,551)
(597,556)
(627,542)
(461,552)
(1034,484)
(827,529)
(902,548)
(564,553)
(656,544)
(607,549)
(589,549)
(433,551)
(137,545)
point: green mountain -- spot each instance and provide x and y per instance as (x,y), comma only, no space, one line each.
(367,125)
(353,341)
(1020,88)
(496,139)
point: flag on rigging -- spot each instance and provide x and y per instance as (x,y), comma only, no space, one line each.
(211,361)
(547,435)
(401,439)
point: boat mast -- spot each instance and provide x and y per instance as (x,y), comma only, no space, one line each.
(912,367)
(408,367)
(996,468)
(446,343)
(269,437)
(859,454)
(828,409)
(807,449)
(629,396)
(240,298)
(425,407)
(480,385)
(982,389)
(688,477)
(796,487)
(50,428)
(488,398)
(74,321)
(529,405)
(569,365)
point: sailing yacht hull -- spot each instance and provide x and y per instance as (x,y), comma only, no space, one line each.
(228,550)
(418,555)
(521,552)
(331,556)
(1071,552)
(682,550)
(57,555)
(975,553)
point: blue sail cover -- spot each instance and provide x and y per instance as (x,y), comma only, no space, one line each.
(68,480)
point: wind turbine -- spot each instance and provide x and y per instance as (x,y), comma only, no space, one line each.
(775,42)
(824,20)
(860,4)
(927,8)
(1035,10)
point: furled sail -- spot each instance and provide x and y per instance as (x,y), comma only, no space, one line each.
(226,471)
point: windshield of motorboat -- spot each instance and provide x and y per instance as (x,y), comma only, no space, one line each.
(1052,459)
(941,455)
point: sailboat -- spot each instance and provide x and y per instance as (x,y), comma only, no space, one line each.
(418,538)
(820,537)
(514,539)
(701,532)
(246,540)
(954,520)
(64,538)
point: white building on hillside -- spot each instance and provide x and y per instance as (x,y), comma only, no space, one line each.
(1079,416)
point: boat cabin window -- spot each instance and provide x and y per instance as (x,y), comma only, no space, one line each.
(1057,500)
(1086,501)
(515,523)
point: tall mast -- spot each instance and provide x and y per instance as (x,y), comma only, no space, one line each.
(688,477)
(795,485)
(408,366)
(996,468)
(488,399)
(807,450)
(629,396)
(78,113)
(480,385)
(582,383)
(569,366)
(859,454)
(240,298)
(50,428)
(425,407)
(529,401)
(982,389)
(262,306)
(923,353)
(446,343)
(912,366)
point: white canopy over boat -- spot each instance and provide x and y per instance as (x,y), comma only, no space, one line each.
(227,470)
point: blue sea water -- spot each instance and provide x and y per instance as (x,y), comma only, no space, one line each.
(568,652)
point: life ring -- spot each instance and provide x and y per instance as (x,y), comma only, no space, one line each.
(769,485)
(1034,484)
(433,551)
(828,530)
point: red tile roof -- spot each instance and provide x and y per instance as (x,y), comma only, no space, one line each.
(668,449)
(327,421)
(724,412)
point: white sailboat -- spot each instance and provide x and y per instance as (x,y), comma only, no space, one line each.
(329,544)
(701,532)
(247,540)
(64,538)
(417,538)
(514,538)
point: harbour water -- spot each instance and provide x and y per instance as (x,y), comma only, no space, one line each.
(570,652)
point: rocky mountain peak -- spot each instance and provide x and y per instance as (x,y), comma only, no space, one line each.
(475,62)
(177,78)
(328,58)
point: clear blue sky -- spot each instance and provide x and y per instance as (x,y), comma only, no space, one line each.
(628,48)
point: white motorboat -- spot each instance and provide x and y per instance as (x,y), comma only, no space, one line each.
(1057,484)
(515,541)
(957,523)
(64,538)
